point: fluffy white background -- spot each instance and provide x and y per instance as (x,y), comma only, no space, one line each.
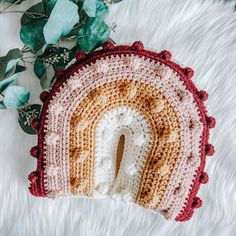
(200,34)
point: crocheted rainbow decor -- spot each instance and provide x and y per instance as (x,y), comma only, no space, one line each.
(128,124)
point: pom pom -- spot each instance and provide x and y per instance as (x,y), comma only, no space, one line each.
(165,55)
(211,122)
(173,135)
(35,124)
(164,170)
(102,188)
(51,138)
(74,83)
(203,178)
(33,177)
(188,72)
(59,73)
(127,196)
(203,95)
(44,96)
(139,140)
(108,45)
(134,63)
(137,46)
(56,109)
(197,202)
(107,134)
(83,156)
(125,119)
(51,170)
(102,67)
(131,169)
(34,151)
(80,55)
(210,150)
(105,163)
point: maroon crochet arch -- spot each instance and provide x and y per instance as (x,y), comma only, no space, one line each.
(37,178)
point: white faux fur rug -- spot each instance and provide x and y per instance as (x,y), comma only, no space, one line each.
(200,34)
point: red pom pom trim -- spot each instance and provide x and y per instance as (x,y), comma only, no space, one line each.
(80,55)
(44,96)
(203,178)
(33,177)
(137,49)
(35,124)
(108,45)
(211,122)
(203,95)
(34,151)
(210,150)
(197,202)
(137,46)
(59,73)
(188,72)
(165,55)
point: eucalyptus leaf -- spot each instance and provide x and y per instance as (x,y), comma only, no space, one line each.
(14,1)
(32,34)
(90,7)
(102,10)
(26,115)
(58,57)
(93,34)
(46,81)
(9,61)
(11,76)
(2,106)
(115,1)
(61,21)
(95,8)
(15,97)
(14,70)
(6,82)
(39,68)
(34,12)
(49,5)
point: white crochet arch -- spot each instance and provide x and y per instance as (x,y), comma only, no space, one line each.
(115,123)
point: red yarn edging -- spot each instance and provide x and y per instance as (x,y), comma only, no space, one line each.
(38,188)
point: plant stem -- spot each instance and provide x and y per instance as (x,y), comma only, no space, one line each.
(10,5)
(29,14)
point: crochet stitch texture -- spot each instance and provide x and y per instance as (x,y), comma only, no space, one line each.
(128,124)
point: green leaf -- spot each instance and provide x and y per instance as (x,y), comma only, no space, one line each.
(102,9)
(46,80)
(61,21)
(14,70)
(39,68)
(13,1)
(9,61)
(26,115)
(2,106)
(95,8)
(90,7)
(11,76)
(93,34)
(58,57)
(49,5)
(32,34)
(115,1)
(34,12)
(6,82)
(15,97)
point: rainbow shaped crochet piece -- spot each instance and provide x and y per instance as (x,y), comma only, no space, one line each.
(128,124)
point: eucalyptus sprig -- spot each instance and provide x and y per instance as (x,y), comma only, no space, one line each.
(53,31)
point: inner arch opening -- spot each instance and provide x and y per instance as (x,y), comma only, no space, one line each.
(119,153)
